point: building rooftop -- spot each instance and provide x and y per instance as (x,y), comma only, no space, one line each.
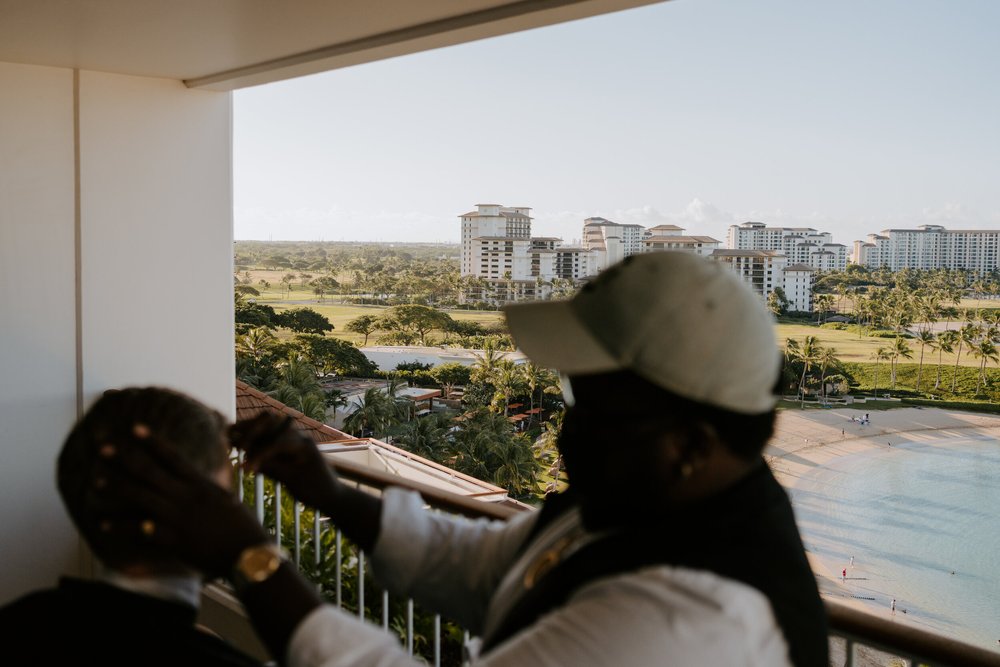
(799,267)
(728,252)
(674,228)
(251,402)
(684,240)
(499,238)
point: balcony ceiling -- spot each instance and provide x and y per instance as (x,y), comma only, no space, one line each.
(229,44)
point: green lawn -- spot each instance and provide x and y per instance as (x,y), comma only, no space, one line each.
(851,348)
(340,314)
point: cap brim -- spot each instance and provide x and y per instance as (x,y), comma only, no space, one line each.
(551,335)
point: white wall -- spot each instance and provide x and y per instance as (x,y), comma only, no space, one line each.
(37,323)
(157,237)
(155,275)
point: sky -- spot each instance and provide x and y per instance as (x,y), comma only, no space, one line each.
(851,117)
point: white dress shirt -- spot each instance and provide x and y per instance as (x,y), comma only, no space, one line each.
(471,571)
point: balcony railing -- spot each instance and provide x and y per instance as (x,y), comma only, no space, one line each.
(857,638)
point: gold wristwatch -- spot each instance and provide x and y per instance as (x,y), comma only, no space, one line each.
(257,564)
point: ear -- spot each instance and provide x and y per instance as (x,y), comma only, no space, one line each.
(687,450)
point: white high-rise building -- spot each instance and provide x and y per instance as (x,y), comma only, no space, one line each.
(611,241)
(497,247)
(802,245)
(495,242)
(698,245)
(930,247)
(764,270)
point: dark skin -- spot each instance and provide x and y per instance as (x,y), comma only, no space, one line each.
(208,528)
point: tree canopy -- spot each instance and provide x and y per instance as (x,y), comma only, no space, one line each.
(304,320)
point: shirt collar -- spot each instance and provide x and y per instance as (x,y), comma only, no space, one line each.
(185,589)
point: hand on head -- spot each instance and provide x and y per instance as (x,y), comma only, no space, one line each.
(177,508)
(171,505)
(275,448)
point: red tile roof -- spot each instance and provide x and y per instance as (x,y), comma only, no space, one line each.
(250,402)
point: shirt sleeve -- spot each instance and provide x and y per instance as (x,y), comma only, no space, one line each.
(660,616)
(329,637)
(448,564)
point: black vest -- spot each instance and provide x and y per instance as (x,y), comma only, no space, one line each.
(747,533)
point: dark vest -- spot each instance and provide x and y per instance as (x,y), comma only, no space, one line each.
(746,533)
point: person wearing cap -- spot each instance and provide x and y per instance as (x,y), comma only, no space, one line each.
(673,544)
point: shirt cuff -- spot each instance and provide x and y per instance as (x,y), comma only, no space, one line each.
(330,637)
(404,527)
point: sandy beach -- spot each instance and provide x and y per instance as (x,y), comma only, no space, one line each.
(806,440)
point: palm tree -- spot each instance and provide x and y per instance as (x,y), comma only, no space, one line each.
(374,413)
(900,348)
(827,359)
(401,407)
(508,380)
(335,398)
(807,353)
(985,350)
(486,447)
(925,337)
(966,336)
(881,354)
(487,361)
(946,341)
(532,376)
(256,343)
(427,437)
(822,303)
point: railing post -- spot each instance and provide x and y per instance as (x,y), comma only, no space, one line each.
(361,584)
(258,496)
(385,610)
(297,519)
(277,513)
(239,476)
(337,575)
(409,626)
(437,640)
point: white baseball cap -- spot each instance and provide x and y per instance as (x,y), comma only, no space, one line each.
(682,322)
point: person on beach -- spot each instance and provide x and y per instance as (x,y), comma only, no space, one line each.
(892,607)
(852,561)
(844,574)
(673,543)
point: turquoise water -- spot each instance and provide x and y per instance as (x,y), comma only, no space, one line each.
(912,514)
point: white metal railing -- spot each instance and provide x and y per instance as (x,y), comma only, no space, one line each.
(299,539)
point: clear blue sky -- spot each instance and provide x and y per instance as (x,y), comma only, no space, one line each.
(849,116)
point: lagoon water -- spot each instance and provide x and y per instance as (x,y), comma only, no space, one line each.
(912,514)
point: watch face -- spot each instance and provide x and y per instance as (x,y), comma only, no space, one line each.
(259,563)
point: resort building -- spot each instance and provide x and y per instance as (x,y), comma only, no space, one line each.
(765,270)
(930,247)
(497,248)
(495,242)
(803,245)
(610,241)
(699,245)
